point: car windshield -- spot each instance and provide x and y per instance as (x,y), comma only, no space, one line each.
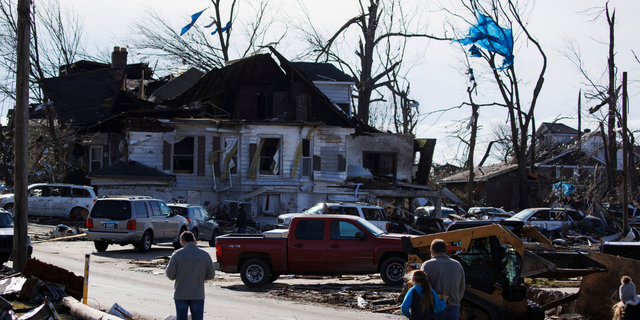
(522,215)
(180,210)
(317,209)
(6,220)
(369,226)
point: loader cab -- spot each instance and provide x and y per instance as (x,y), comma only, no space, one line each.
(488,264)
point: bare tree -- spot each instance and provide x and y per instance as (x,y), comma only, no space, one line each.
(604,92)
(376,28)
(56,40)
(207,48)
(519,109)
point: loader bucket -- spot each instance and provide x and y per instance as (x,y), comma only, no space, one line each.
(558,264)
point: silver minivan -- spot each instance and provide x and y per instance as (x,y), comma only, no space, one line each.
(138,220)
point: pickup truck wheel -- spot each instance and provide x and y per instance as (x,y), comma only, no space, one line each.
(145,243)
(255,273)
(274,277)
(392,271)
(101,246)
(177,245)
(212,242)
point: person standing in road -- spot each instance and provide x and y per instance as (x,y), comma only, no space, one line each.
(241,222)
(446,277)
(190,267)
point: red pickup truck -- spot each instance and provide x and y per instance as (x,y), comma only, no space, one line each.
(320,245)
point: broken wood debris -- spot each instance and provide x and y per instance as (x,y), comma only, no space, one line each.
(369,297)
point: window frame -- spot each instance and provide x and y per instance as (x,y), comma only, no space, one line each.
(308,158)
(234,158)
(193,156)
(92,160)
(260,171)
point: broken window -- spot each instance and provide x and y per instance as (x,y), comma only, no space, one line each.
(270,157)
(373,214)
(381,164)
(230,158)
(307,159)
(269,205)
(95,158)
(183,156)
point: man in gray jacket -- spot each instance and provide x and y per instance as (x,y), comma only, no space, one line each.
(189,267)
(446,276)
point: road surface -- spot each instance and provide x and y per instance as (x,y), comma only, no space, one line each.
(147,293)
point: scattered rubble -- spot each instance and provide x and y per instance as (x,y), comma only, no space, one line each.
(376,298)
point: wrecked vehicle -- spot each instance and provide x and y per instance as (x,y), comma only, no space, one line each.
(54,200)
(555,218)
(371,213)
(6,237)
(138,220)
(313,245)
(489,213)
(448,215)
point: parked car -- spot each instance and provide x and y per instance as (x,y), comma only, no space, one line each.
(371,213)
(201,223)
(314,244)
(138,220)
(54,200)
(548,218)
(6,237)
(489,213)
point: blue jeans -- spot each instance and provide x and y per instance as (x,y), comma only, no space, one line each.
(241,230)
(449,313)
(196,306)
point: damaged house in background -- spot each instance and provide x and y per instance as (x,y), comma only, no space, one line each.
(261,130)
(563,155)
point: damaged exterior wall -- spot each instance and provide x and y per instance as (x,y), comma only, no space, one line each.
(396,146)
(272,194)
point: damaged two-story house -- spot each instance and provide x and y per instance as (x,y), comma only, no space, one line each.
(261,130)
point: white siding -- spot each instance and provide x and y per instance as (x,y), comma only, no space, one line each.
(146,148)
(338,92)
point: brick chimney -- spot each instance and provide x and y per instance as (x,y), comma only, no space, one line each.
(119,57)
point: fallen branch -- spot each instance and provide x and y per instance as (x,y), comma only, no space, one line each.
(62,238)
(387,309)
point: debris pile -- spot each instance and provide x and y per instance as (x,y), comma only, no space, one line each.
(376,298)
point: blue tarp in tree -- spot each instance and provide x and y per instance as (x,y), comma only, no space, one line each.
(194,18)
(490,36)
(565,188)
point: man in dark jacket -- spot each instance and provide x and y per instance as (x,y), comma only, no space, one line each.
(241,222)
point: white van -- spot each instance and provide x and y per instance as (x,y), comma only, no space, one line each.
(55,200)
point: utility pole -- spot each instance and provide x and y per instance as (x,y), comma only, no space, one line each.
(625,159)
(22,136)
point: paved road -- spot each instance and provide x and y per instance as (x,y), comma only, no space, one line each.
(147,292)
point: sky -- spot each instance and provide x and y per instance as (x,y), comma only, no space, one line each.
(437,73)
